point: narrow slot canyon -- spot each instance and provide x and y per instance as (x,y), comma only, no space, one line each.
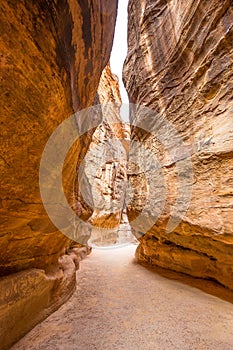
(116,227)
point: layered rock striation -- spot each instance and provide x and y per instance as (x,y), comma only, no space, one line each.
(102,176)
(179,66)
(52,57)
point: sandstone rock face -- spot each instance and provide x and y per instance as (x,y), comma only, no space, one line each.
(52,56)
(29,296)
(179,65)
(102,175)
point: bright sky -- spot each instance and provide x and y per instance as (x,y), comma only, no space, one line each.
(119,50)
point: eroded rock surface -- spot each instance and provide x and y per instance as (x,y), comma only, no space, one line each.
(102,176)
(29,296)
(179,65)
(52,56)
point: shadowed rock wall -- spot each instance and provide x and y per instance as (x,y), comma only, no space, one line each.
(52,57)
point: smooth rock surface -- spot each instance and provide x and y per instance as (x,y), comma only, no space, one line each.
(124,306)
(52,57)
(179,65)
(29,296)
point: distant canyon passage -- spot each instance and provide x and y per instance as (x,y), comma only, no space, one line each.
(178,148)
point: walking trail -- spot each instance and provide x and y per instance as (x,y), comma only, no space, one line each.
(120,304)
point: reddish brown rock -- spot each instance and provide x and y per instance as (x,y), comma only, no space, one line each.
(29,296)
(179,65)
(103,173)
(52,57)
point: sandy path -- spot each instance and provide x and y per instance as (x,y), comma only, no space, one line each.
(121,305)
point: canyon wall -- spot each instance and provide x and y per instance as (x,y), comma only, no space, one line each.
(102,175)
(52,57)
(180,66)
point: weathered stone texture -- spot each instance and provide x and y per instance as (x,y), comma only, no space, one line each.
(180,65)
(29,296)
(100,190)
(52,57)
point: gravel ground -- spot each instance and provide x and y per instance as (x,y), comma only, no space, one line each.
(122,305)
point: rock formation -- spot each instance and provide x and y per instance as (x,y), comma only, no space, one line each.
(52,56)
(103,173)
(179,66)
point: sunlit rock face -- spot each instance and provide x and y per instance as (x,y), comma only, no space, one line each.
(52,56)
(102,176)
(179,65)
